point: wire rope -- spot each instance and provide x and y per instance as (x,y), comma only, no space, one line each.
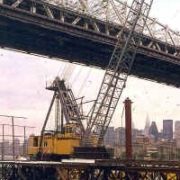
(84,81)
(74,79)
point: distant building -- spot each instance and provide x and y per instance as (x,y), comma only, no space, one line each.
(147,126)
(177,130)
(167,150)
(141,139)
(116,136)
(109,137)
(153,131)
(120,136)
(168,129)
(177,133)
(140,146)
(135,133)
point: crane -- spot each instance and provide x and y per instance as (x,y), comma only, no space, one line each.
(74,139)
(49,143)
(117,71)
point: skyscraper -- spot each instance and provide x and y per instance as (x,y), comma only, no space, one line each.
(168,129)
(109,138)
(177,133)
(177,129)
(147,126)
(153,131)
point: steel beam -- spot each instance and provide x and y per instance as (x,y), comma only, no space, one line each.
(102,170)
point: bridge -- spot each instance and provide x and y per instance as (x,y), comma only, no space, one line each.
(86,33)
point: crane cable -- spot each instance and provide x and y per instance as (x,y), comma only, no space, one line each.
(67,74)
(75,77)
(68,71)
(84,81)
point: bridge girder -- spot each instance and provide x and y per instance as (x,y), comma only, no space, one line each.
(107,170)
(59,32)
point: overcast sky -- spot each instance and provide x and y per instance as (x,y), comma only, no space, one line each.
(23,79)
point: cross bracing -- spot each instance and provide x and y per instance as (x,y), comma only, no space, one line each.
(115,11)
(63,32)
(103,17)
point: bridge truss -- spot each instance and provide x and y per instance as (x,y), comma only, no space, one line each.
(115,11)
(99,170)
(109,11)
(87,35)
(104,18)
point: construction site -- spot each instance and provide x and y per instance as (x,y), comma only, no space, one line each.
(74,149)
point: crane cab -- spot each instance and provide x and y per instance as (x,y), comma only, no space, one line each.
(55,145)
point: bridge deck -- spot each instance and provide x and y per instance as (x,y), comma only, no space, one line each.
(37,33)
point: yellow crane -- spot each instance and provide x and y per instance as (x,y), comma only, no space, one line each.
(60,142)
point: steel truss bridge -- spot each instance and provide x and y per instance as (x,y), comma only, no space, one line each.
(99,170)
(85,32)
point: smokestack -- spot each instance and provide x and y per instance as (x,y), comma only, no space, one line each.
(128,127)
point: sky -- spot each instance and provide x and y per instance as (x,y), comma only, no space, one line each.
(167,12)
(23,79)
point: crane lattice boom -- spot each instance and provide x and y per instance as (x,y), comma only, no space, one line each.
(70,109)
(117,71)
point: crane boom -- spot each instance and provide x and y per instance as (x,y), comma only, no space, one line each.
(117,71)
(65,97)
(68,102)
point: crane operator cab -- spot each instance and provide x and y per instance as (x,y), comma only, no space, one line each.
(55,145)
